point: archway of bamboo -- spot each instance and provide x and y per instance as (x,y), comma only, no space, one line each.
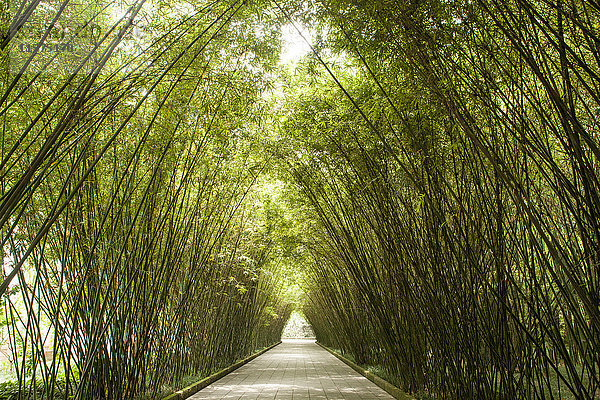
(421,183)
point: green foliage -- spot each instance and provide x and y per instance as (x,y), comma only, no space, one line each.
(10,390)
(454,234)
(424,187)
(126,198)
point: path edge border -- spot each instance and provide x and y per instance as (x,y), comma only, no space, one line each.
(201,384)
(382,383)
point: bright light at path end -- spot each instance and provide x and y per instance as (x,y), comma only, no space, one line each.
(293,46)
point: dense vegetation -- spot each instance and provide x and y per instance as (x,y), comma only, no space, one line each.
(456,181)
(427,175)
(134,255)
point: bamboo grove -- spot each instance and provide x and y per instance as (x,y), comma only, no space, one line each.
(131,257)
(441,204)
(455,176)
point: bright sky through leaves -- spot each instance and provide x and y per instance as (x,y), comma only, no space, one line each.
(294,46)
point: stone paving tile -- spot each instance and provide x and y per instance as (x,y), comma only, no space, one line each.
(294,370)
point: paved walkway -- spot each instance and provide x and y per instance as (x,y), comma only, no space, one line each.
(294,370)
